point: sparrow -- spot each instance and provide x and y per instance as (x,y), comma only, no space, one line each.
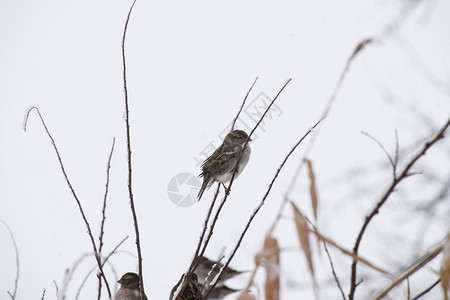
(221,165)
(207,266)
(129,288)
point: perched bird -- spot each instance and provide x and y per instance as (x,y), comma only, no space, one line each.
(129,288)
(207,266)
(221,165)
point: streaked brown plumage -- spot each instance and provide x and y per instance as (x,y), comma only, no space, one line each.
(219,167)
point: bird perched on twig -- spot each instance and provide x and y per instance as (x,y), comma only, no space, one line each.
(129,288)
(221,165)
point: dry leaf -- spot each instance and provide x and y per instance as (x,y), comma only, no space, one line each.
(445,268)
(303,234)
(272,265)
(312,187)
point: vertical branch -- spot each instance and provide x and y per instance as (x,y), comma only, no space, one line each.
(80,207)
(16,281)
(102,226)
(130,171)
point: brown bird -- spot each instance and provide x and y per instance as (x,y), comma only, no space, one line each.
(221,165)
(129,288)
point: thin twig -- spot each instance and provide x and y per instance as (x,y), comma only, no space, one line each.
(16,281)
(389,191)
(247,226)
(130,171)
(329,258)
(243,103)
(43,295)
(102,226)
(197,257)
(391,161)
(396,155)
(105,197)
(427,290)
(333,270)
(80,207)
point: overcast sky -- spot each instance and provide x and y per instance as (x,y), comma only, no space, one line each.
(190,63)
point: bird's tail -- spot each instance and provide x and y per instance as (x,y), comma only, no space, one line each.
(203,188)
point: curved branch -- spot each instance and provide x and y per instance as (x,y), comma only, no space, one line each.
(405,173)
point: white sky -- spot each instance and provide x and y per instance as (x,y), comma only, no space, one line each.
(190,64)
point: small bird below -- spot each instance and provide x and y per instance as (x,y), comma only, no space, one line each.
(223,163)
(129,288)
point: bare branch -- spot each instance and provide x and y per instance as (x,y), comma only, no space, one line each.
(393,162)
(130,171)
(80,207)
(439,135)
(242,106)
(333,271)
(43,295)
(16,281)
